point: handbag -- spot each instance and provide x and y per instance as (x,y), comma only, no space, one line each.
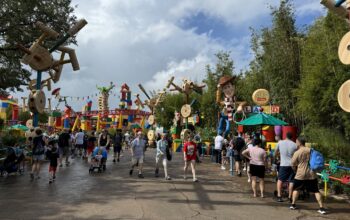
(169,156)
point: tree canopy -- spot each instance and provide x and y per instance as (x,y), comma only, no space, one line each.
(17,19)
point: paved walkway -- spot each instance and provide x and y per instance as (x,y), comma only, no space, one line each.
(115,195)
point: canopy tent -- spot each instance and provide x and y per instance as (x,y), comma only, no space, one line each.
(19,127)
(262,119)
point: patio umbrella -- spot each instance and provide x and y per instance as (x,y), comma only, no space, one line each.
(19,127)
(262,119)
(135,126)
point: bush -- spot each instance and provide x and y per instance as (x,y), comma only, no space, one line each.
(329,142)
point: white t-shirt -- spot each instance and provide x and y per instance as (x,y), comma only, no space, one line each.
(219,141)
(79,138)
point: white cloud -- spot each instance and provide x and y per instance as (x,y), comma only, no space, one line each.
(140,42)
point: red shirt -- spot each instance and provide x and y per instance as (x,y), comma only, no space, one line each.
(190,150)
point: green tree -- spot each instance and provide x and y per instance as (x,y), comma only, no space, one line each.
(17,19)
(276,64)
(322,76)
(165,110)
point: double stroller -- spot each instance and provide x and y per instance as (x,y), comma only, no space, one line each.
(14,161)
(98,160)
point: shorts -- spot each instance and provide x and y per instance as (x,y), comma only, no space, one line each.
(63,151)
(136,160)
(79,146)
(117,149)
(309,185)
(237,157)
(257,170)
(286,174)
(40,157)
(52,168)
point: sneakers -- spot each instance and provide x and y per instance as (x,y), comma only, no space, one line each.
(322,211)
(50,181)
(130,172)
(293,207)
(113,160)
(54,177)
(141,176)
(279,199)
(223,168)
(61,165)
(168,178)
(195,180)
(32,176)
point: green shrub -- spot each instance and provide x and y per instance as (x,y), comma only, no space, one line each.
(329,142)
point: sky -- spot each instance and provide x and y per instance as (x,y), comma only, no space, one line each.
(148,41)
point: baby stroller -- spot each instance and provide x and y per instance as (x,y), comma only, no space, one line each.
(98,160)
(14,162)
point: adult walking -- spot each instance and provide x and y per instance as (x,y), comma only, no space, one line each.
(238,145)
(286,149)
(137,151)
(117,145)
(257,161)
(63,146)
(305,178)
(38,151)
(79,142)
(104,140)
(219,142)
(162,156)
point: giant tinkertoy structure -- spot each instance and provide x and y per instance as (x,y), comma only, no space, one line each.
(187,88)
(151,103)
(40,58)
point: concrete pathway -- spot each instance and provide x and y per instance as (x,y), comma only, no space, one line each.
(116,195)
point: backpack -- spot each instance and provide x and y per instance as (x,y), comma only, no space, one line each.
(316,161)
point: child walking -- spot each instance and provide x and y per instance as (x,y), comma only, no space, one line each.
(190,155)
(53,156)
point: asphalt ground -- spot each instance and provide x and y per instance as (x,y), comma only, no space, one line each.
(76,194)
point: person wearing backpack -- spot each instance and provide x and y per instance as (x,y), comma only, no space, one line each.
(305,177)
(38,151)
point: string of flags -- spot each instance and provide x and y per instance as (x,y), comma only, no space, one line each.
(91,96)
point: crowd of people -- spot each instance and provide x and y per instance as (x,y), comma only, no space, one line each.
(289,159)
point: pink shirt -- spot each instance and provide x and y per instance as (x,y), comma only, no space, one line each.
(257,155)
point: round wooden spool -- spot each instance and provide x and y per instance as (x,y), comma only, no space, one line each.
(150,135)
(40,59)
(151,120)
(344,49)
(261,97)
(344,96)
(37,101)
(186,111)
(185,133)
